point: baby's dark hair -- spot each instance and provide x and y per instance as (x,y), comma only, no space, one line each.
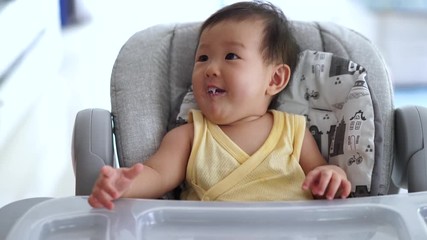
(279,44)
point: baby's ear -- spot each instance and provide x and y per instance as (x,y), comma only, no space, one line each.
(279,79)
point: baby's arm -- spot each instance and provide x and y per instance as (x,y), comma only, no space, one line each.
(322,179)
(163,172)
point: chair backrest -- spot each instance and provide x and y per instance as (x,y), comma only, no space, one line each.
(152,74)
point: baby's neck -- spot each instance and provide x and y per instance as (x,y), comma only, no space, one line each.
(250,133)
(246,120)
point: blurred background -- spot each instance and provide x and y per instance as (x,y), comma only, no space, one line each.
(56,58)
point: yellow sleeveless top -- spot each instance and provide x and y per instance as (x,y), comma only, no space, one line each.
(220,170)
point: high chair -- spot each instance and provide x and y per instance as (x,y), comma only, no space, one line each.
(150,95)
(152,75)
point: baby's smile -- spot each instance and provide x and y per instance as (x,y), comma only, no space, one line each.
(215,91)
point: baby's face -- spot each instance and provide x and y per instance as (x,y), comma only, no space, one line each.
(230,76)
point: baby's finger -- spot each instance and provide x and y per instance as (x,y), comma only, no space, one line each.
(345,188)
(107,171)
(109,189)
(94,202)
(102,199)
(333,187)
(310,179)
(97,204)
(134,171)
(324,177)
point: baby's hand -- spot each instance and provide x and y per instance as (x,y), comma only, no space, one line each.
(327,181)
(111,184)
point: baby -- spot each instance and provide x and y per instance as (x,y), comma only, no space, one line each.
(234,148)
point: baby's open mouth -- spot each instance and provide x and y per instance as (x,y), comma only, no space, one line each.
(215,91)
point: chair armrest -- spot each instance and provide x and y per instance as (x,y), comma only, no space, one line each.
(92,147)
(410,167)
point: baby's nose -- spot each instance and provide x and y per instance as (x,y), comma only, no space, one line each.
(212,70)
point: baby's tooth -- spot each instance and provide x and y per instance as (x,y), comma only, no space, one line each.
(212,90)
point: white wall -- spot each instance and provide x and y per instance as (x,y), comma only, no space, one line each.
(344,12)
(402,38)
(32,113)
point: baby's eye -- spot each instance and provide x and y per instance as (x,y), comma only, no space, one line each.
(231,56)
(202,58)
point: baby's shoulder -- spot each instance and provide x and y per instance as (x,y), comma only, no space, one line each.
(183,131)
